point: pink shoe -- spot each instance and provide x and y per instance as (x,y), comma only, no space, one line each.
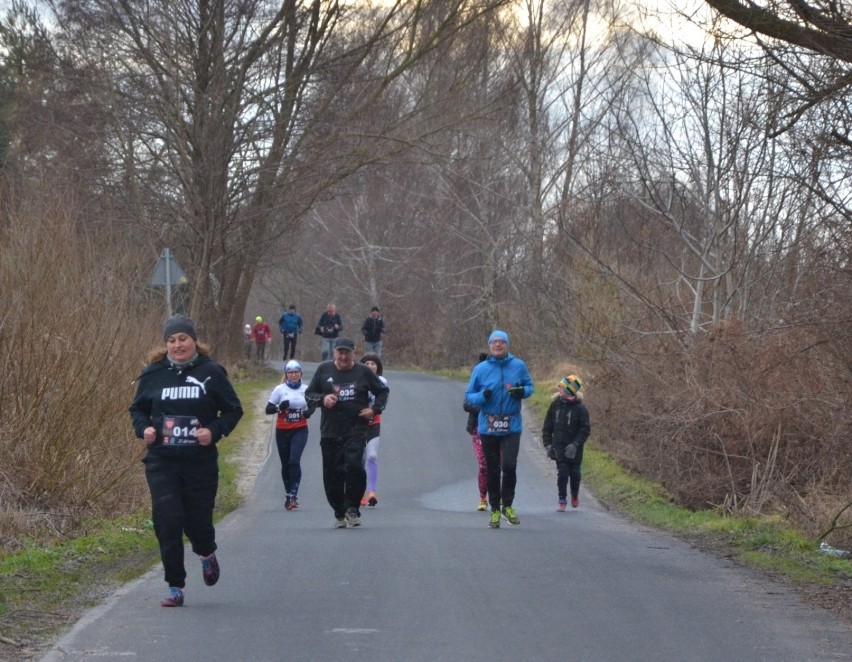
(561,505)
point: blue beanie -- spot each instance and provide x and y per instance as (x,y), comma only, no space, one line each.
(498,335)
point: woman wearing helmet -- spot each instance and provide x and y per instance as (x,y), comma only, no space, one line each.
(287,401)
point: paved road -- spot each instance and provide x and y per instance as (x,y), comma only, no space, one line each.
(425,579)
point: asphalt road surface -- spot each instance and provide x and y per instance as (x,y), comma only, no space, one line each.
(425,579)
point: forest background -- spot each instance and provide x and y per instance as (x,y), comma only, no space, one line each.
(668,218)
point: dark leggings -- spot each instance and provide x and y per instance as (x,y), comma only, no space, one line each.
(183,493)
(289,345)
(291,444)
(568,470)
(343,474)
(501,462)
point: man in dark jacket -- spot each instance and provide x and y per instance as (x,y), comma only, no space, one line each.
(341,389)
(564,432)
(290,324)
(329,327)
(373,328)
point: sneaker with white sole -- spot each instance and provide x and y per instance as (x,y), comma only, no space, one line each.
(561,505)
(339,522)
(353,519)
(494,523)
(511,516)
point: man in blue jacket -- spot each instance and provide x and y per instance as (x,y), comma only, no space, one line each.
(497,386)
(290,325)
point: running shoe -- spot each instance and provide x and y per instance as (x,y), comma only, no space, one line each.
(339,522)
(353,518)
(561,506)
(174,599)
(495,519)
(288,501)
(372,500)
(510,515)
(364,499)
(210,569)
(294,503)
(575,501)
(483,505)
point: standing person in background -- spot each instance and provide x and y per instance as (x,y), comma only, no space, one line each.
(261,333)
(290,326)
(247,341)
(329,327)
(342,389)
(472,424)
(373,328)
(287,400)
(184,405)
(497,386)
(564,432)
(371,452)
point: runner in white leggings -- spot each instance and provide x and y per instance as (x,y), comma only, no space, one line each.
(371,452)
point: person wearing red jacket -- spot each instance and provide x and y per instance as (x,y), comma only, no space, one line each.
(261,333)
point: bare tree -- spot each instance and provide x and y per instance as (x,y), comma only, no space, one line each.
(248,112)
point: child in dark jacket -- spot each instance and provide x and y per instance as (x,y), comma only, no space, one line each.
(564,433)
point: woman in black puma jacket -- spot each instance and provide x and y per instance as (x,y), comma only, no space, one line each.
(565,430)
(184,405)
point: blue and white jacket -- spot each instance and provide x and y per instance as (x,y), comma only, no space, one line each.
(501,413)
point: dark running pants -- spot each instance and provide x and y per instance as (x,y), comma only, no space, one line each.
(183,493)
(343,474)
(289,345)
(291,444)
(568,470)
(501,463)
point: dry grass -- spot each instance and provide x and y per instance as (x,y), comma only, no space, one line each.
(72,336)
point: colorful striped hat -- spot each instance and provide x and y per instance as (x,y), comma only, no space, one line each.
(572,384)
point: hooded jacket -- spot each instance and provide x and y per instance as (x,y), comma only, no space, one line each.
(499,414)
(168,396)
(566,422)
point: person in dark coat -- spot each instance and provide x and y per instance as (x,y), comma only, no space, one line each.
(184,405)
(564,432)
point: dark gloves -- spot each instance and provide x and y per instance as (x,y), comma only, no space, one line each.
(487,394)
(551,452)
(571,451)
(306,413)
(517,392)
(283,405)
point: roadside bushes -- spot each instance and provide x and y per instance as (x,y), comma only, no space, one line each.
(72,337)
(750,423)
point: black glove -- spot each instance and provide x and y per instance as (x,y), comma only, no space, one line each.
(283,405)
(571,451)
(551,452)
(306,413)
(517,392)
(487,394)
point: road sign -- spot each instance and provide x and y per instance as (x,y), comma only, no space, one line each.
(168,272)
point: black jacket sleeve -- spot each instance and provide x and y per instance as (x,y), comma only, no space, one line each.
(547,426)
